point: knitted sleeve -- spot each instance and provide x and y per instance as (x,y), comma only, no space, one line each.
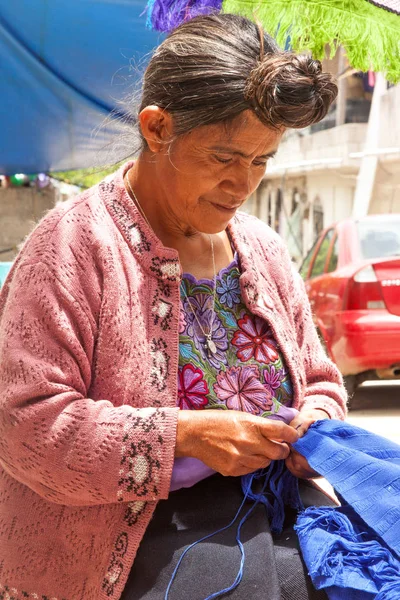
(69,448)
(323,386)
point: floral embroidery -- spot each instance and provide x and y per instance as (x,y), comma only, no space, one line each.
(138,238)
(161,308)
(202,306)
(133,511)
(166,269)
(182,320)
(116,566)
(240,388)
(160,362)
(107,186)
(273,379)
(247,372)
(255,339)
(229,290)
(286,388)
(140,466)
(192,389)
(11,593)
(133,232)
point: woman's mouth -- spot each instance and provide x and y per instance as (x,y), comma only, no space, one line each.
(225,209)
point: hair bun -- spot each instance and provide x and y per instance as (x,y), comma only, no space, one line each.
(289,90)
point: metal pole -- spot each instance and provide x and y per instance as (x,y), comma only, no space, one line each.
(342,89)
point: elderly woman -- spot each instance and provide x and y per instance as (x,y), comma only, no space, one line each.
(147,329)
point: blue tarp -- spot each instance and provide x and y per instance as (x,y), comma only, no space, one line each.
(64,65)
(4,269)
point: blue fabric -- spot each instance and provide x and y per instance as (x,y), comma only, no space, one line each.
(353,551)
(65,66)
(280,489)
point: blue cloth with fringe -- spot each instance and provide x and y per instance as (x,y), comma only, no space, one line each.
(353,551)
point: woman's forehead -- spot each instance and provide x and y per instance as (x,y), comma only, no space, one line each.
(245,136)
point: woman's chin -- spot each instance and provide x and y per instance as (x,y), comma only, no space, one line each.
(215,221)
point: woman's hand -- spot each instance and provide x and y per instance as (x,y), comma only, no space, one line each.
(232,442)
(295,462)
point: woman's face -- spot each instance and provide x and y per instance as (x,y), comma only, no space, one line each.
(208,173)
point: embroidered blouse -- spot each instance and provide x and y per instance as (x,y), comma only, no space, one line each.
(246,372)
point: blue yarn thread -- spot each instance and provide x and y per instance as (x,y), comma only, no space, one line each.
(276,476)
(238,578)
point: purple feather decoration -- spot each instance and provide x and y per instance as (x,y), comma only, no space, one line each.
(165,15)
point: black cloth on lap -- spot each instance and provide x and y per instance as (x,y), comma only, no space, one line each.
(273,568)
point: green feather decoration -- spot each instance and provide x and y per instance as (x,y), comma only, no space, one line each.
(370,34)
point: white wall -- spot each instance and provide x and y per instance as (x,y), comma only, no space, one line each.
(390,118)
(335,193)
(386,194)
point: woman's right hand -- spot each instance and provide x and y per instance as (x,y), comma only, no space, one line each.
(232,442)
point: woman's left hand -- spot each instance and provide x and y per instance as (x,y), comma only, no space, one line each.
(295,462)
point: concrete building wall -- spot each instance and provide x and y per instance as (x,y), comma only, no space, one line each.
(386,194)
(322,168)
(335,194)
(20,209)
(390,119)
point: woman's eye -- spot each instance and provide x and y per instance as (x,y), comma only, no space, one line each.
(260,164)
(223,160)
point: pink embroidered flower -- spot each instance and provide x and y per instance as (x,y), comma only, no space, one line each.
(273,379)
(240,388)
(182,320)
(254,338)
(192,388)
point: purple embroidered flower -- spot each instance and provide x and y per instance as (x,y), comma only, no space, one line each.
(273,379)
(228,289)
(192,388)
(240,388)
(202,306)
(254,338)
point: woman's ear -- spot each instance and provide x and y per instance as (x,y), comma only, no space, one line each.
(156,126)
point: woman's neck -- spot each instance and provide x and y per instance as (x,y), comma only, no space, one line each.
(151,200)
(194,247)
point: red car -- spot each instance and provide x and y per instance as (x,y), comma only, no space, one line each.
(352,277)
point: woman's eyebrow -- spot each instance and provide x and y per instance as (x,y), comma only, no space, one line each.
(242,154)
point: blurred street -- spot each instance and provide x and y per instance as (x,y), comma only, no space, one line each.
(377,408)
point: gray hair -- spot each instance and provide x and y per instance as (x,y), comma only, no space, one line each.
(212,68)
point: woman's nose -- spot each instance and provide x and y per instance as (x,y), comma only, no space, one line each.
(238,184)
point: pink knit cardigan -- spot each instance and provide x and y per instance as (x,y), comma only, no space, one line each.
(88,386)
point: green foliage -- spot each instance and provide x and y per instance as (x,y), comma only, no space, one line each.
(84,178)
(369,34)
(320,259)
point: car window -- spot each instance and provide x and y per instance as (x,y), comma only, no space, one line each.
(379,238)
(333,261)
(306,262)
(320,259)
